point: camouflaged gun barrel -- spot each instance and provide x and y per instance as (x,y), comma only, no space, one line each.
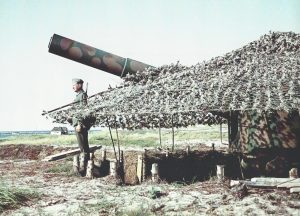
(93,57)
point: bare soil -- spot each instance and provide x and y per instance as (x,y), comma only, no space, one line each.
(64,193)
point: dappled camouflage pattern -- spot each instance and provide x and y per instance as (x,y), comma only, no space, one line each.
(93,57)
(278,130)
(270,143)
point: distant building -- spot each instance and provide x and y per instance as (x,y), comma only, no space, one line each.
(59,131)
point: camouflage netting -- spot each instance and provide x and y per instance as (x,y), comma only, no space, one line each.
(262,76)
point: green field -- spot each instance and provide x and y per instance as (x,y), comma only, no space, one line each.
(141,138)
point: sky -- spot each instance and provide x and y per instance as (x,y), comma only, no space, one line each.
(155,32)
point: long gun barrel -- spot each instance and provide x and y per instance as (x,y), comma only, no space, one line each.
(94,57)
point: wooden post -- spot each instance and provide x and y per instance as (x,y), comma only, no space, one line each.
(167,152)
(293,173)
(113,168)
(119,153)
(220,172)
(144,166)
(155,173)
(103,154)
(229,130)
(188,149)
(139,168)
(89,169)
(92,156)
(81,163)
(159,132)
(122,157)
(76,164)
(221,133)
(173,141)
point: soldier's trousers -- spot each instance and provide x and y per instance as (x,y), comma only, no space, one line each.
(83,142)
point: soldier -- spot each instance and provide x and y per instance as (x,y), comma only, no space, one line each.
(81,127)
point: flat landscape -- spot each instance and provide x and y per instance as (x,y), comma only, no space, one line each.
(29,186)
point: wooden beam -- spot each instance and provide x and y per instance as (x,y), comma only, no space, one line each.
(68,153)
(264,182)
(290,184)
(253,184)
(270,180)
(295,190)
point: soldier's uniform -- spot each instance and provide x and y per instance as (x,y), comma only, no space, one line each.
(81,130)
(81,126)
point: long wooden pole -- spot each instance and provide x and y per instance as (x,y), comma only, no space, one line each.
(112,140)
(221,133)
(159,131)
(229,130)
(173,136)
(119,151)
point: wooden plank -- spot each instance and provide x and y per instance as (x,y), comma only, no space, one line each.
(290,184)
(68,153)
(295,190)
(270,181)
(252,184)
(261,184)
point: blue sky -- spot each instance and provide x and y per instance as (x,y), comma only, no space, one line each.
(155,32)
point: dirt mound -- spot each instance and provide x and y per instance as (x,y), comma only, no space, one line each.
(30,152)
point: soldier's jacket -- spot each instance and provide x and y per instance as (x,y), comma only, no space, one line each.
(81,98)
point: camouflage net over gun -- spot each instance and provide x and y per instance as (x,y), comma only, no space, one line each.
(263,76)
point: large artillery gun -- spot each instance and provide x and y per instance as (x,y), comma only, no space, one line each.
(94,57)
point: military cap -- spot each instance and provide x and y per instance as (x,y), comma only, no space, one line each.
(77,81)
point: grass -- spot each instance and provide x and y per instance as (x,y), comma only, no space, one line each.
(154,193)
(102,206)
(105,207)
(141,138)
(135,212)
(65,167)
(13,197)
